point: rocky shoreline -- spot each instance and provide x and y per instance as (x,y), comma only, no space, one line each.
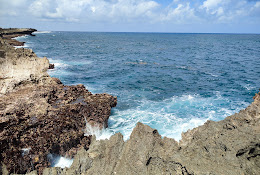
(41,114)
(38,113)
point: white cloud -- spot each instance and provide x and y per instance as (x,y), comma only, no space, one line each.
(211,4)
(39,7)
(214,7)
(136,12)
(93,10)
(257,4)
(11,7)
(183,13)
(220,11)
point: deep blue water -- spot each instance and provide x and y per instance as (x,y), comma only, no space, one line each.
(172,82)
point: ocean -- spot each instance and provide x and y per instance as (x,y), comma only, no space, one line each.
(170,81)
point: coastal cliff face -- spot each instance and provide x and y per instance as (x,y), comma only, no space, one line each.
(230,146)
(20,66)
(39,115)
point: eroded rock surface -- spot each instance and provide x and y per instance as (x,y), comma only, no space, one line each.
(21,66)
(230,146)
(41,116)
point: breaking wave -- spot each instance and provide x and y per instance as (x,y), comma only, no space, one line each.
(39,32)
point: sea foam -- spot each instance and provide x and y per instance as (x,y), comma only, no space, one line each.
(171,116)
(39,32)
(100,133)
(24,46)
(59,161)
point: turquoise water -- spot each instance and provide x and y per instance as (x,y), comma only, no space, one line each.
(172,82)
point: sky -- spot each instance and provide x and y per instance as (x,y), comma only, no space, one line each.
(186,16)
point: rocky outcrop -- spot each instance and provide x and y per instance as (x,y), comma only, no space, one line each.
(21,66)
(41,116)
(230,146)
(9,34)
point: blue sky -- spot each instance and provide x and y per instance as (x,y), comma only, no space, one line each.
(198,16)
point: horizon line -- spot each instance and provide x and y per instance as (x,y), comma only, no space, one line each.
(146,32)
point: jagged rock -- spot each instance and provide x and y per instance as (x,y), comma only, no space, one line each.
(230,146)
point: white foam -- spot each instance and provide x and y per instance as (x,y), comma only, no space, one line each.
(24,46)
(39,32)
(100,133)
(60,65)
(249,87)
(20,37)
(63,162)
(172,116)
(168,124)
(57,63)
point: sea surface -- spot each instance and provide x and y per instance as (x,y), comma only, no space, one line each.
(171,82)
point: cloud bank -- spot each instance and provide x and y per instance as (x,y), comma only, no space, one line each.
(135,12)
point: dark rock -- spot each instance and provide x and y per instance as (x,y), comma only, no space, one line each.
(51,66)
(45,120)
(2,53)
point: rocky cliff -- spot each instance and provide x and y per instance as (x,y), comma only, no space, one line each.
(20,66)
(39,115)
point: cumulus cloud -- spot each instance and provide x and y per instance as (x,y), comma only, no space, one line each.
(226,11)
(214,7)
(93,9)
(181,13)
(142,10)
(11,7)
(210,4)
(135,11)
